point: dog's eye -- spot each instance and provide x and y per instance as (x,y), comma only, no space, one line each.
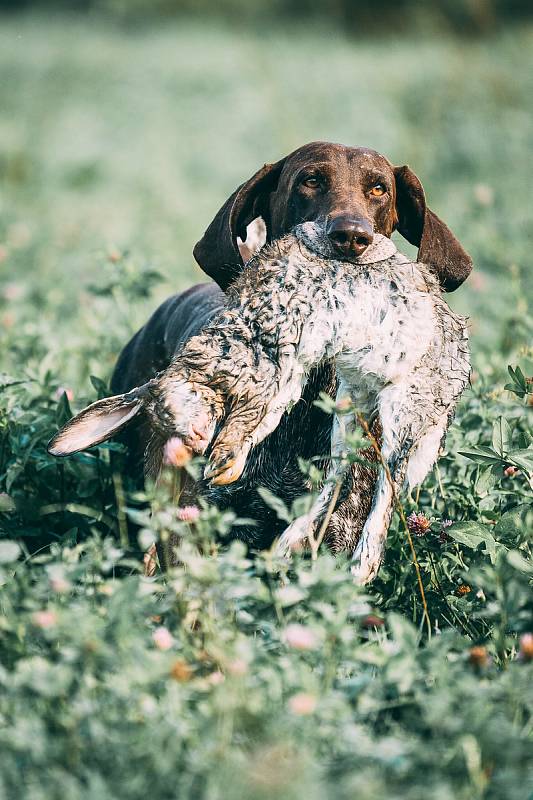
(378,189)
(312,182)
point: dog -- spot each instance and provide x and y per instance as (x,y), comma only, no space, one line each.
(356,193)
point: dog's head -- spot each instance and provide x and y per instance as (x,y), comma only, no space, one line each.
(354,192)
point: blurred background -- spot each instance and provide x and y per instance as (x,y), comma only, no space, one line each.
(125,124)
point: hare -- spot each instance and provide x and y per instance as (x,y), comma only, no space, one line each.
(401,356)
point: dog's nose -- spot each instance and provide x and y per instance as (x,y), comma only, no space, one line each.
(350,235)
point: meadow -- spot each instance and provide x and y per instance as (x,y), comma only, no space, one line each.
(236,676)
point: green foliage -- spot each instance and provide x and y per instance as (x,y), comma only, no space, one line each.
(227,678)
(355,16)
(236,676)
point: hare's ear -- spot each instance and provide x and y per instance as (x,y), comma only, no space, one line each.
(98,422)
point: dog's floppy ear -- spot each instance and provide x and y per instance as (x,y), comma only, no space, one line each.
(437,246)
(217,252)
(98,422)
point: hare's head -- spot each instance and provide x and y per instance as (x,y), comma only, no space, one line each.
(177,413)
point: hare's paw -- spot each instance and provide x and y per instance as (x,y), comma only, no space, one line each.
(367,556)
(226,465)
(363,572)
(295,536)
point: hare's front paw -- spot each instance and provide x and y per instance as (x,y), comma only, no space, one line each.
(226,464)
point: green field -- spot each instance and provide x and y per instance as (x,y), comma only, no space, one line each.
(117,145)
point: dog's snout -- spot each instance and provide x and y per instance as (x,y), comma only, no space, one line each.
(350,235)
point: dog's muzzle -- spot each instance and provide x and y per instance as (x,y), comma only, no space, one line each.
(350,236)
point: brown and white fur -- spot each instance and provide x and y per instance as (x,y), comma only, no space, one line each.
(401,357)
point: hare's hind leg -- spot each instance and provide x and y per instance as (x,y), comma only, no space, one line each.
(302,527)
(426,452)
(412,435)
(368,554)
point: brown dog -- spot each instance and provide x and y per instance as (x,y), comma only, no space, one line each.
(356,192)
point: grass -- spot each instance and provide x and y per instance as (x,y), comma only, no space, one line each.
(116,147)
(132,139)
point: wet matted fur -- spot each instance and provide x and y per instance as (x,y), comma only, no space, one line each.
(401,358)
